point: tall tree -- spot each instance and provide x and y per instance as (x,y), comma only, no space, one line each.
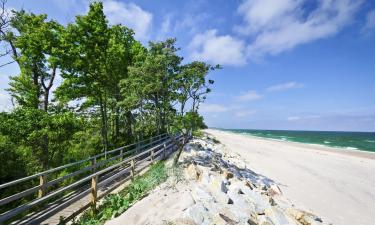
(96,59)
(35,44)
(152,81)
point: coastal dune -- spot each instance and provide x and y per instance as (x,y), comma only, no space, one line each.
(336,184)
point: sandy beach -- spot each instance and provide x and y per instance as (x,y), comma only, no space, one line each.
(336,184)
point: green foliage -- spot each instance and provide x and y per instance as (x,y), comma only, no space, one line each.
(114,91)
(36,48)
(115,204)
(198,133)
(24,127)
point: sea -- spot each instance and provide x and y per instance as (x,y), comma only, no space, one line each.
(364,141)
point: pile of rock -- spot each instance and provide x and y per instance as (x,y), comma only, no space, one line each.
(225,191)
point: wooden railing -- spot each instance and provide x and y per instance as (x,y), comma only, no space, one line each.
(96,171)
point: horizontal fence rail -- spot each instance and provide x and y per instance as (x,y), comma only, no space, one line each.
(96,174)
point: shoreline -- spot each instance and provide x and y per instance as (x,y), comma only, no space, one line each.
(320,147)
(214,186)
(329,182)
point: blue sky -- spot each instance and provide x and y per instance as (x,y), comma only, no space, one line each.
(287,64)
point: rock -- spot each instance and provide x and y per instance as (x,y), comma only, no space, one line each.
(303,217)
(230,193)
(217,183)
(274,190)
(227,216)
(263,220)
(193,172)
(277,216)
(198,213)
(228,175)
(222,198)
(199,194)
(249,184)
(223,219)
(272,201)
(251,222)
(260,203)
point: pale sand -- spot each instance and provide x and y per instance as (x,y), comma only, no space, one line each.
(339,187)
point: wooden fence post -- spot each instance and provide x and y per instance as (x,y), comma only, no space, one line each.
(164,150)
(121,155)
(94,186)
(42,184)
(132,164)
(152,156)
(137,148)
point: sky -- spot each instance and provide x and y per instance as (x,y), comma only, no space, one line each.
(287,64)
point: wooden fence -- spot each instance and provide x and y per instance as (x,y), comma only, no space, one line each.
(92,173)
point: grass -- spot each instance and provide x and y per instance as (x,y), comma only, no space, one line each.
(115,204)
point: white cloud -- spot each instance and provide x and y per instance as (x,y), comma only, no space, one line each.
(293,118)
(285,86)
(248,96)
(129,14)
(213,108)
(217,49)
(166,25)
(279,25)
(370,21)
(244,113)
(307,117)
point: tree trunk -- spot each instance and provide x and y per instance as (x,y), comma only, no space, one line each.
(129,118)
(104,124)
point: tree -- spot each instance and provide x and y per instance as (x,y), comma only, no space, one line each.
(35,44)
(25,126)
(193,85)
(150,87)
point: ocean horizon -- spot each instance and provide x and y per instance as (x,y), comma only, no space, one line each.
(346,140)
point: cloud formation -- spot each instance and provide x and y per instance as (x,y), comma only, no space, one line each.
(370,21)
(280,25)
(217,49)
(212,108)
(285,86)
(271,27)
(248,96)
(244,113)
(129,14)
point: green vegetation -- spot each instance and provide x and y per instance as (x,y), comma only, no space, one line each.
(115,204)
(198,133)
(88,87)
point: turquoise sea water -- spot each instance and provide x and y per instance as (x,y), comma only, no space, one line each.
(348,140)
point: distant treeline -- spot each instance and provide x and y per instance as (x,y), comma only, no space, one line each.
(113,91)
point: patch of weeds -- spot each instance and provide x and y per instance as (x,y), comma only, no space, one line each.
(175,174)
(115,204)
(198,134)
